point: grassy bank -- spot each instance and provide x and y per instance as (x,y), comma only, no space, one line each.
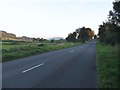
(107,66)
(12,51)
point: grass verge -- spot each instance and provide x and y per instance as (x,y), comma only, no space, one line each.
(107,66)
(12,51)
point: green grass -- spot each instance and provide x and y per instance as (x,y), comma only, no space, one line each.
(107,66)
(19,50)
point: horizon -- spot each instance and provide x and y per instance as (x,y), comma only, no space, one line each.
(46,19)
(29,37)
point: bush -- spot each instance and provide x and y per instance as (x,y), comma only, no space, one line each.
(110,38)
(4,50)
(40,44)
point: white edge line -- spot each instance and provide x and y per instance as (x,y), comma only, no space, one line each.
(32,68)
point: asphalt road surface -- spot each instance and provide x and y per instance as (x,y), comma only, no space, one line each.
(68,68)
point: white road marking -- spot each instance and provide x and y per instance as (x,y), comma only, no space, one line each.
(72,51)
(32,68)
(81,47)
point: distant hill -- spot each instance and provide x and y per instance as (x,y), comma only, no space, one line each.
(7,36)
(56,38)
(10,36)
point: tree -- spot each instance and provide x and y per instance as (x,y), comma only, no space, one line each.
(114,16)
(72,37)
(109,32)
(95,36)
(81,34)
(84,33)
(102,29)
(90,33)
(52,41)
(115,19)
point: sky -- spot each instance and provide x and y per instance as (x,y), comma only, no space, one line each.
(52,18)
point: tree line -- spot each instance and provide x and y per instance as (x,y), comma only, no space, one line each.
(81,34)
(109,31)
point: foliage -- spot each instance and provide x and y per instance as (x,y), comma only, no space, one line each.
(95,36)
(109,32)
(81,34)
(22,49)
(52,41)
(107,66)
(72,37)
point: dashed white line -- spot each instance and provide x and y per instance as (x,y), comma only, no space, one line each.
(32,68)
(72,51)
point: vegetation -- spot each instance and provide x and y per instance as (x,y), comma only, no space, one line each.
(5,35)
(81,34)
(107,66)
(10,37)
(108,50)
(109,31)
(14,50)
(107,47)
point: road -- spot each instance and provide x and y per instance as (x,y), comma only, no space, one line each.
(68,68)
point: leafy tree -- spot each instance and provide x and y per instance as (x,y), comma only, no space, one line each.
(72,37)
(114,16)
(90,33)
(84,33)
(116,19)
(52,41)
(95,36)
(102,29)
(69,38)
(81,34)
(109,32)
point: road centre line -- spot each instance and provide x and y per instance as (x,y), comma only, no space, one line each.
(72,51)
(32,68)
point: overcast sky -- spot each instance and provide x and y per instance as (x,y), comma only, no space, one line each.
(51,18)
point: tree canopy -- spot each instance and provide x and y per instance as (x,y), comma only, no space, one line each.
(81,34)
(109,31)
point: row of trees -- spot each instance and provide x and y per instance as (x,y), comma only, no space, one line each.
(109,31)
(38,39)
(80,34)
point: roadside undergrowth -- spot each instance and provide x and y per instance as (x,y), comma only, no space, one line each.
(107,66)
(15,51)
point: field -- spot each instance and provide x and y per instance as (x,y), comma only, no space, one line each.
(107,66)
(15,50)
